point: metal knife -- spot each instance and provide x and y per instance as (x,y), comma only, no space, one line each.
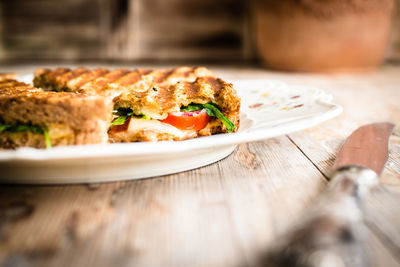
(333,232)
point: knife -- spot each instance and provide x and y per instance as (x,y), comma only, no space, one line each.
(333,231)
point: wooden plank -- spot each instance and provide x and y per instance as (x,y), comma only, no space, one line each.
(40,219)
(225,214)
(322,157)
(383,218)
(381,207)
(380,254)
(265,221)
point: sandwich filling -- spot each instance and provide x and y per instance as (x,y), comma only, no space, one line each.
(20,128)
(191,117)
(189,122)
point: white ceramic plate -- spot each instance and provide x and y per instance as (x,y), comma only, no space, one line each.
(269,108)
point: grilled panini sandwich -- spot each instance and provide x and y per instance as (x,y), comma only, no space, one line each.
(154,105)
(32,117)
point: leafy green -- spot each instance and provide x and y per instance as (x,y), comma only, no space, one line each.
(144,117)
(18,128)
(124,114)
(212,110)
(46,137)
(3,127)
(192,107)
(119,121)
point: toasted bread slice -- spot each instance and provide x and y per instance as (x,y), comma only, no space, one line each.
(69,118)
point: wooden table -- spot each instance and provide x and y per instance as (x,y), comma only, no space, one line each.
(225,214)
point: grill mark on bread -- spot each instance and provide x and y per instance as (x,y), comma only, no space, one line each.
(215,83)
(191,89)
(49,75)
(97,85)
(188,74)
(70,75)
(84,78)
(46,78)
(166,98)
(162,76)
(129,79)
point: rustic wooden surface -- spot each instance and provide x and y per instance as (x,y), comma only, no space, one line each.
(225,214)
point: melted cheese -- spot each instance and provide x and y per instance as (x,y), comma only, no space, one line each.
(59,131)
(137,125)
(150,130)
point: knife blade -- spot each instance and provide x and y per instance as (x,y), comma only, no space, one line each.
(333,231)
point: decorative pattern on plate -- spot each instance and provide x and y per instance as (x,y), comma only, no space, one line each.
(270,103)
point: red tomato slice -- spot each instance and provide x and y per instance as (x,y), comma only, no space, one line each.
(193,120)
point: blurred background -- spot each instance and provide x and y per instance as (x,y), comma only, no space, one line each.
(139,30)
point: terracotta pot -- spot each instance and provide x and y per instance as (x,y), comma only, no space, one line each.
(329,35)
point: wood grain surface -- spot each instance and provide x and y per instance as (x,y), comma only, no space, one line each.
(225,214)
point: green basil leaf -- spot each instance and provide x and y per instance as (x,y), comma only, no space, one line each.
(212,110)
(209,111)
(144,117)
(119,121)
(123,112)
(18,128)
(37,129)
(128,112)
(21,128)
(4,127)
(192,107)
(46,135)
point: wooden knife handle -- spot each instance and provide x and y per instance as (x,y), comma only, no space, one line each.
(333,232)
